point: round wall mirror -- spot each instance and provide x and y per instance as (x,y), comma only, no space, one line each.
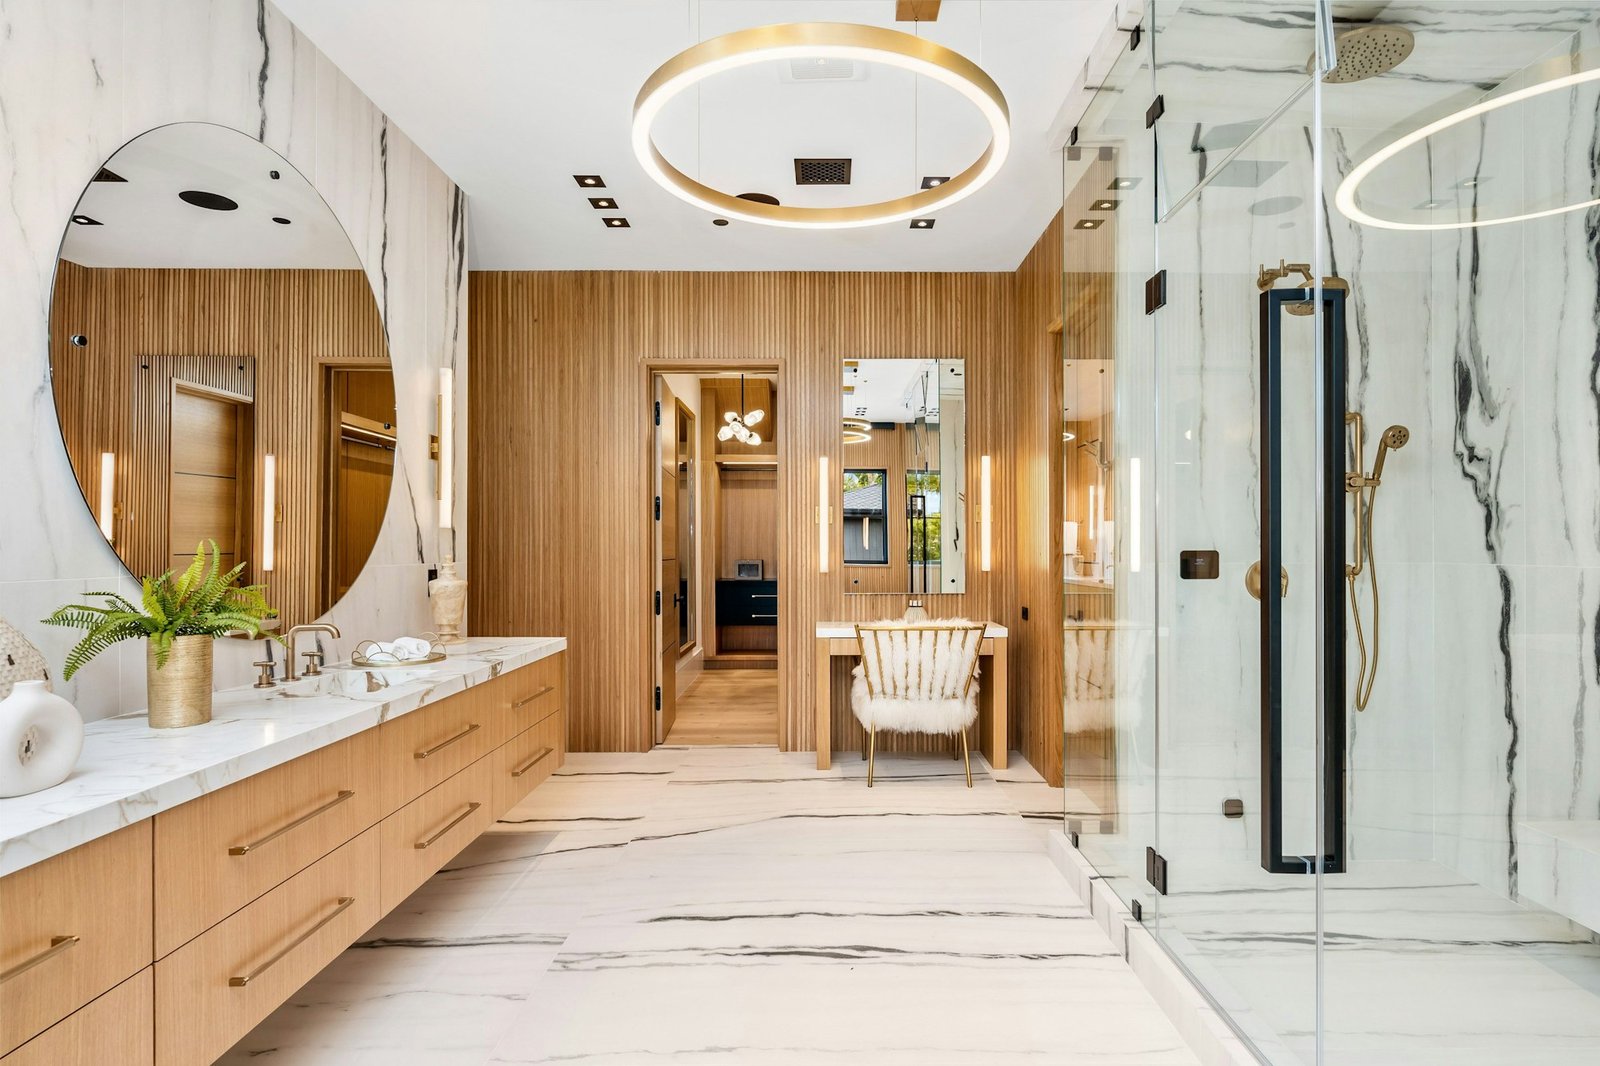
(220,369)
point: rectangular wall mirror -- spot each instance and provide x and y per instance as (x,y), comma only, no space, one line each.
(904,514)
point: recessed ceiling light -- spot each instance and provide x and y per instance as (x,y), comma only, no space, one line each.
(602,203)
(719,222)
(1104,205)
(590,181)
(934,182)
(211,201)
(1088,223)
(280,220)
(85,220)
(274,175)
(760,198)
(1122,183)
(616,223)
(922,223)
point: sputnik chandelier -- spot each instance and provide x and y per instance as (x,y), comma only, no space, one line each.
(736,424)
(816,41)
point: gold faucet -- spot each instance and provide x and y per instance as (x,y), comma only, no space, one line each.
(313,658)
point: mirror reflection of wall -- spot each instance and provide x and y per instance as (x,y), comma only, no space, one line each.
(904,476)
(210,324)
(1089,534)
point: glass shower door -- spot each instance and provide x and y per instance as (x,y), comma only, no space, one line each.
(1247,414)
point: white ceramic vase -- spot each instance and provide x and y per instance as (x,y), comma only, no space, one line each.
(41,736)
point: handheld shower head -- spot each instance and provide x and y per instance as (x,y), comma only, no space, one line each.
(1394,438)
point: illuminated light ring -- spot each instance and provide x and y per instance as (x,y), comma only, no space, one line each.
(821,40)
(1345,199)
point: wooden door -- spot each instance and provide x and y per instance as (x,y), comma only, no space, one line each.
(205,448)
(665,506)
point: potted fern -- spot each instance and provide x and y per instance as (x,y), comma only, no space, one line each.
(179,615)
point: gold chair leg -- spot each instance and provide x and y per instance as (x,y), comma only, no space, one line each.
(955,751)
(872,753)
(966,758)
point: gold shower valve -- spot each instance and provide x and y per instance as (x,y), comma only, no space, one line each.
(1252,580)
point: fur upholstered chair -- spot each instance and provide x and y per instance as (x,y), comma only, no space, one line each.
(917,678)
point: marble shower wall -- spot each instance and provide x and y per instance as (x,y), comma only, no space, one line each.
(1486,711)
(79,78)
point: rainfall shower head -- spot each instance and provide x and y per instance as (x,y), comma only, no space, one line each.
(1366,52)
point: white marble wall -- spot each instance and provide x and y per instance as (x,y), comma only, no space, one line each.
(1483,342)
(79,78)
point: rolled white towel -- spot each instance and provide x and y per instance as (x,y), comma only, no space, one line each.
(401,649)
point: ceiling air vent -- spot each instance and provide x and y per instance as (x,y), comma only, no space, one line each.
(822,70)
(822,172)
(105,174)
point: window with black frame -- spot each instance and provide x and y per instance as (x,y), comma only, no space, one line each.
(866,517)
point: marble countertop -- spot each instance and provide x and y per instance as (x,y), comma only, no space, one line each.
(129,772)
(848,629)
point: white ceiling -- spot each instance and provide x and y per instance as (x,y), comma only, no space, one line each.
(143,223)
(514,97)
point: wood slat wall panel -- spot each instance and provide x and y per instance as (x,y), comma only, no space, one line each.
(1036,667)
(286,320)
(561,541)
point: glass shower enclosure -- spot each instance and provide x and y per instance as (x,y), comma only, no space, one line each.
(1331,528)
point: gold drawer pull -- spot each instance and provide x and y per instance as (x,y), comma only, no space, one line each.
(443,744)
(240,982)
(245,849)
(531,763)
(457,820)
(524,701)
(58,944)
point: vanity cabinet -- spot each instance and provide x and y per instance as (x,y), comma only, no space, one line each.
(163,943)
(72,927)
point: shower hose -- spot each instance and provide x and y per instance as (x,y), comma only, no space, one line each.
(1365,676)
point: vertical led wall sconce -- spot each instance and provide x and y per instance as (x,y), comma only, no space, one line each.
(108,495)
(1134,523)
(269,512)
(447,456)
(824,513)
(985,515)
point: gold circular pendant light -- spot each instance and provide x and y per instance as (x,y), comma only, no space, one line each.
(821,40)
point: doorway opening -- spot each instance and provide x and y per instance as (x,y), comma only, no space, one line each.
(716,541)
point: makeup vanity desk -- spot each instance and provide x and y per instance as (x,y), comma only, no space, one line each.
(838,639)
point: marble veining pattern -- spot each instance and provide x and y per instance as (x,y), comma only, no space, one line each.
(129,772)
(735,905)
(79,78)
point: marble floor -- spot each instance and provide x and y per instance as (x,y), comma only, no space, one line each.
(734,905)
(1422,967)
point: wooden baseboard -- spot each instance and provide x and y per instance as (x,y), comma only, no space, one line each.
(742,661)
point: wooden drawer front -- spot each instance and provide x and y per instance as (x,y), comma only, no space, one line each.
(115,1030)
(426,746)
(219,852)
(426,833)
(535,692)
(71,927)
(220,985)
(527,760)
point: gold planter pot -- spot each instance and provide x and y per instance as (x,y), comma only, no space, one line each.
(180,692)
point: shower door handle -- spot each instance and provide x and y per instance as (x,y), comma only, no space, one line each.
(1330,412)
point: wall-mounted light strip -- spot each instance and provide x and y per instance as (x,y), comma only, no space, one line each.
(824,513)
(1134,524)
(269,512)
(108,495)
(985,515)
(447,452)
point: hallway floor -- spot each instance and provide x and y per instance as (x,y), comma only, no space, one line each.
(734,905)
(728,707)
